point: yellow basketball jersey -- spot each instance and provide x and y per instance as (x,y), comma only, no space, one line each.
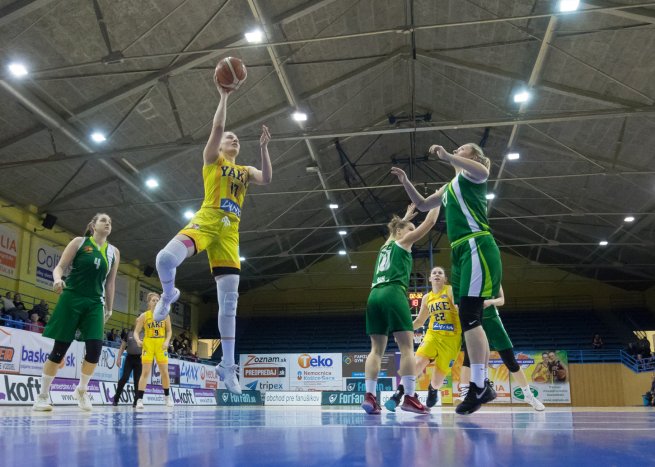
(444,318)
(151,328)
(225,186)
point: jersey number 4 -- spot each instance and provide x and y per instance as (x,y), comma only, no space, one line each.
(97,261)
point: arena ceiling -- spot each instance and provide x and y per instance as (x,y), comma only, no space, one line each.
(379,81)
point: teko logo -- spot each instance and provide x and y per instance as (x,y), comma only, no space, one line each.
(305,361)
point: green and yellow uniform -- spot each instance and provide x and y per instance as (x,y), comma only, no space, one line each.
(443,338)
(81,304)
(387,309)
(476,266)
(154,335)
(215,227)
(494,329)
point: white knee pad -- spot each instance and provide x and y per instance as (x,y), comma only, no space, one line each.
(227,288)
(172,255)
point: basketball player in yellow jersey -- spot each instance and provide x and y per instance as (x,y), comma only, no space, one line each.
(156,339)
(215,228)
(443,339)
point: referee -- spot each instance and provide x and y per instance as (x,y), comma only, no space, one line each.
(132,364)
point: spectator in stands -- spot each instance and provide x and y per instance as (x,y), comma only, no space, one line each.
(597,342)
(34,325)
(124,335)
(176,345)
(8,306)
(18,303)
(42,309)
(111,336)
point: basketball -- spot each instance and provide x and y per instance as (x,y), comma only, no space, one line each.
(230,73)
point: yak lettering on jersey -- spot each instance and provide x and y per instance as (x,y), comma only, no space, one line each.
(230,172)
(439,306)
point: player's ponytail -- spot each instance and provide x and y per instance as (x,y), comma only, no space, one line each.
(479,155)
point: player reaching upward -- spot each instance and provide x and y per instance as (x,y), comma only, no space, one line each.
(215,228)
(387,310)
(475,259)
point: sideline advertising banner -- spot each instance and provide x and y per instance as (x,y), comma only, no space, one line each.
(498,373)
(18,389)
(226,398)
(46,257)
(423,382)
(35,349)
(353,365)
(547,373)
(342,398)
(8,250)
(107,368)
(292,398)
(61,391)
(265,372)
(9,351)
(315,372)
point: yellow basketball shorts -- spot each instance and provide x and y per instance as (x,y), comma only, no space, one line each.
(217,232)
(152,350)
(442,349)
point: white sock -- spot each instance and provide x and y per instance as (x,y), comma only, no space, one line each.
(526,391)
(409,382)
(84,382)
(371,385)
(45,384)
(168,260)
(227,291)
(486,372)
(477,374)
(228,352)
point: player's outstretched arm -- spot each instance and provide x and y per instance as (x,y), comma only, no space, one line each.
(473,169)
(421,203)
(211,152)
(419,232)
(265,175)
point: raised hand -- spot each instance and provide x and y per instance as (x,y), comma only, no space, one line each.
(400,173)
(440,152)
(411,212)
(265,137)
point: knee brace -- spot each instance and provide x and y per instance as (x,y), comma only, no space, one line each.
(470,312)
(466,362)
(509,359)
(93,350)
(59,351)
(172,255)
(227,287)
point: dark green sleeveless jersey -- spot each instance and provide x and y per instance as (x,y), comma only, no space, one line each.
(466,209)
(90,268)
(394,264)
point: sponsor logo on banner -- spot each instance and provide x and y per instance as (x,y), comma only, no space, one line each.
(47,257)
(224,397)
(35,350)
(292,398)
(107,369)
(204,396)
(8,250)
(269,371)
(353,365)
(315,372)
(9,357)
(341,398)
(109,389)
(173,373)
(359,384)
(183,396)
(17,389)
(190,375)
(209,377)
(547,373)
(61,391)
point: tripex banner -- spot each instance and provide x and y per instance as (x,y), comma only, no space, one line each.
(265,372)
(292,398)
(18,389)
(548,375)
(224,397)
(353,365)
(61,391)
(9,351)
(35,349)
(46,258)
(315,372)
(8,250)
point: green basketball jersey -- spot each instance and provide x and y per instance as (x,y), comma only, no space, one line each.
(466,209)
(90,268)
(394,264)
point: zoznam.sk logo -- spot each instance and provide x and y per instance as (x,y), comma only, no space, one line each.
(306,361)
